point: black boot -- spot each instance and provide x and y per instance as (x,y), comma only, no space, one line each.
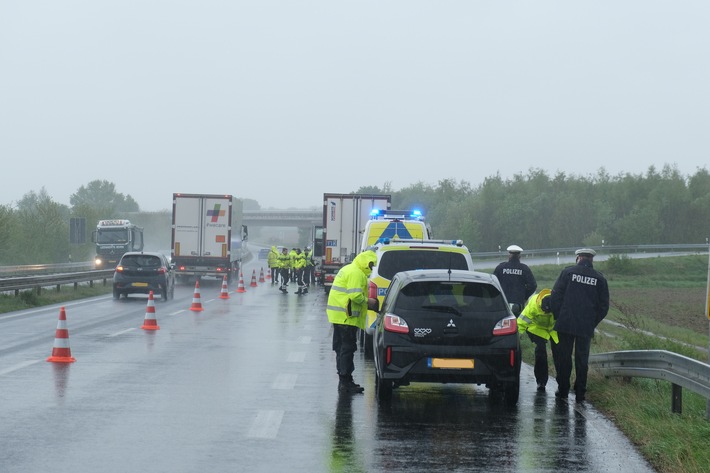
(346,385)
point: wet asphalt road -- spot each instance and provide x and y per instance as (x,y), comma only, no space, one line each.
(248,384)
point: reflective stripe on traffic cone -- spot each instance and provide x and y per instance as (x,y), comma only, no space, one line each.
(149,323)
(61,353)
(240,287)
(261,275)
(224,294)
(196,304)
(253,279)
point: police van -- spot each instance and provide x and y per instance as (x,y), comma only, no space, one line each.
(395,255)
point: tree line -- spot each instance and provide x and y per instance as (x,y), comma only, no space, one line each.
(538,210)
(533,210)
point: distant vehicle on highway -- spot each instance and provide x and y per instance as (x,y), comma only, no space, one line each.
(264,253)
(143,272)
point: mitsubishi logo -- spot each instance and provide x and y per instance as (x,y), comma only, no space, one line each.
(451,323)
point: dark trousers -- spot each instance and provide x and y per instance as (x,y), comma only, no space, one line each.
(580,346)
(274,275)
(284,276)
(299,278)
(541,370)
(308,274)
(344,346)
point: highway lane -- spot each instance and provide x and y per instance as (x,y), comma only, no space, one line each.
(248,384)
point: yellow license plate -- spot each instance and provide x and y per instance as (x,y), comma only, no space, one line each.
(451,363)
(140,284)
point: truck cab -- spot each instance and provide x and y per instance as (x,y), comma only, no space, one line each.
(113,238)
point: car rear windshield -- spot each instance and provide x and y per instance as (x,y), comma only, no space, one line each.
(464,296)
(141,261)
(392,262)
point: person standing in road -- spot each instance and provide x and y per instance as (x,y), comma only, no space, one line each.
(284,263)
(309,270)
(579,301)
(347,309)
(272,262)
(516,278)
(538,322)
(299,263)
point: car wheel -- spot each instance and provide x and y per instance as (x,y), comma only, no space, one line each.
(512,393)
(116,294)
(367,344)
(383,388)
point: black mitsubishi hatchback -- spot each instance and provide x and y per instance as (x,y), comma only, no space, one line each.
(140,272)
(447,326)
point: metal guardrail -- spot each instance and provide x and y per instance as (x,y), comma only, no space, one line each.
(609,249)
(679,370)
(37,283)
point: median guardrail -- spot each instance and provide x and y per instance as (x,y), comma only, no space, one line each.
(37,283)
(679,370)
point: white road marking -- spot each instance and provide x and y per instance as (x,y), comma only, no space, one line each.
(296,357)
(285,381)
(121,332)
(266,425)
(18,366)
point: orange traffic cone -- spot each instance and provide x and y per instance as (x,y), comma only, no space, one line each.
(240,287)
(253,279)
(224,294)
(261,275)
(196,304)
(149,323)
(61,353)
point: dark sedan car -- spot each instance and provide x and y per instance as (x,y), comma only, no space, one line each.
(142,272)
(447,326)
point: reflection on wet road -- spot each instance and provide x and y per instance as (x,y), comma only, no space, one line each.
(249,385)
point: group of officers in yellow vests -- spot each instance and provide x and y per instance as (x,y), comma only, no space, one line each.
(291,265)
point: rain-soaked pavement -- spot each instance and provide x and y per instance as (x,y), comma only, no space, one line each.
(248,385)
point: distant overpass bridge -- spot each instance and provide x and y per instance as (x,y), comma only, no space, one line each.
(283,218)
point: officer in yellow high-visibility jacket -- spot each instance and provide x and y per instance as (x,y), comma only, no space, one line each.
(347,309)
(539,322)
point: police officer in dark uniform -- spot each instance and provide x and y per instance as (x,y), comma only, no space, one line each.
(515,278)
(579,301)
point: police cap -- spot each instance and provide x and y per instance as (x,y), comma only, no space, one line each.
(585,252)
(514,249)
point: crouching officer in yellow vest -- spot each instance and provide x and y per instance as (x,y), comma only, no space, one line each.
(538,321)
(347,309)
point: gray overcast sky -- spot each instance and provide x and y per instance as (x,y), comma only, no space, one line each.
(281,101)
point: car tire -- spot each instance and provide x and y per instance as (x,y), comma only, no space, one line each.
(512,393)
(368,346)
(383,389)
(116,294)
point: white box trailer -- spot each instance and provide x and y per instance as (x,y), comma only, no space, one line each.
(207,236)
(344,219)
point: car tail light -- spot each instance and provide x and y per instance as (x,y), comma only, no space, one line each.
(161,270)
(388,355)
(372,290)
(396,324)
(506,326)
(181,268)
(512,358)
(119,269)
